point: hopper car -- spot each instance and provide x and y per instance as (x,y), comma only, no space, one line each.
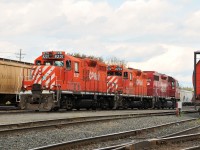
(61,81)
(11,76)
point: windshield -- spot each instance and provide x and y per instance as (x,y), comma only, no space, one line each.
(55,63)
(117,73)
(59,63)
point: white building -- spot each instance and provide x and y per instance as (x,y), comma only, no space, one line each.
(186,96)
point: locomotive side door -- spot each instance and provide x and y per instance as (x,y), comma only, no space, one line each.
(86,85)
(68,75)
(72,75)
(125,82)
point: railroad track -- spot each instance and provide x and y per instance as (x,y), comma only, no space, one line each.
(59,123)
(193,148)
(81,143)
(171,138)
(162,143)
(177,137)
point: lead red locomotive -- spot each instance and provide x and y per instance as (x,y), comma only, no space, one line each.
(62,81)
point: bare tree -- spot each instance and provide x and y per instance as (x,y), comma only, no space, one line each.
(116,61)
(78,55)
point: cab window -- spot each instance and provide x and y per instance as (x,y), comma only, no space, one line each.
(68,64)
(126,75)
(76,67)
(131,77)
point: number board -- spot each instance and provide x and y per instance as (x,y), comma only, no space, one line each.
(58,56)
(45,56)
(53,55)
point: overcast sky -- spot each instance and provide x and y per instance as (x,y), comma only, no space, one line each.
(159,35)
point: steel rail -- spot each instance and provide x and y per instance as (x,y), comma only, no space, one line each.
(192,148)
(153,142)
(174,139)
(182,132)
(160,141)
(123,145)
(103,138)
(114,146)
(7,112)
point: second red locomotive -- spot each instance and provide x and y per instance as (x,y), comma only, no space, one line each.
(62,81)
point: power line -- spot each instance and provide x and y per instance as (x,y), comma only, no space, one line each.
(20,55)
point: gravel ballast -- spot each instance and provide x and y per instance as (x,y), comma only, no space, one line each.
(36,138)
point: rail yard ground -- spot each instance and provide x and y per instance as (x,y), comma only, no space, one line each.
(41,137)
(8,117)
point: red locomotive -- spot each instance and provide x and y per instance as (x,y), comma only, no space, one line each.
(196,80)
(164,89)
(62,81)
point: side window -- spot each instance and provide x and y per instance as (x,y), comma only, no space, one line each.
(125,74)
(68,64)
(76,67)
(173,84)
(156,78)
(131,77)
(38,62)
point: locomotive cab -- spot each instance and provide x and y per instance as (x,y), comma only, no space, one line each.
(163,88)
(41,90)
(114,79)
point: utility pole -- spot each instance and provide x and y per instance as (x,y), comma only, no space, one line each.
(20,55)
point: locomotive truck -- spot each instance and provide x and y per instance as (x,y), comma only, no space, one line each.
(59,80)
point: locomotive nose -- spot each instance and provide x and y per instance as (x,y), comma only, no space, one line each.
(36,93)
(36,89)
(35,99)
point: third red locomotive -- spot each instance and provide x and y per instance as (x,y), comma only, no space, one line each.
(60,80)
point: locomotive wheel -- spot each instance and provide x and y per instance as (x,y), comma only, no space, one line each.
(104,104)
(125,104)
(69,104)
(94,107)
(55,109)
